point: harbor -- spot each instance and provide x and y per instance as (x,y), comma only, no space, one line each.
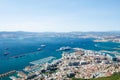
(81,63)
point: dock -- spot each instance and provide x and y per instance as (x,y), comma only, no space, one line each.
(42,61)
(8,73)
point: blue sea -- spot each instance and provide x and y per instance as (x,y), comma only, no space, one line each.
(29,46)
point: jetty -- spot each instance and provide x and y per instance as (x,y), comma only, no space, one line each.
(8,73)
(42,61)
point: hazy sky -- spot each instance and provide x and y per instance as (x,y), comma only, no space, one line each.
(59,15)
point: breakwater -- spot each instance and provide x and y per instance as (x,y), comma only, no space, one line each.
(7,73)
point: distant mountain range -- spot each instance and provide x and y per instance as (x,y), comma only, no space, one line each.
(56,34)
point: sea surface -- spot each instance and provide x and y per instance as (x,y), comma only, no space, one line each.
(28,47)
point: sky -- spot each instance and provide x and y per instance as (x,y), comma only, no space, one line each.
(59,15)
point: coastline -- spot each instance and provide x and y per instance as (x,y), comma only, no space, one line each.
(57,52)
(73,60)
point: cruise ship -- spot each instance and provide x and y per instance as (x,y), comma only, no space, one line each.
(64,48)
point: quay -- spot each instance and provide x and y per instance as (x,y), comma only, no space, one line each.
(42,61)
(8,73)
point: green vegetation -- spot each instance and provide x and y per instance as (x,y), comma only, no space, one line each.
(115,76)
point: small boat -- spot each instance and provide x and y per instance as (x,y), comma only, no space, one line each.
(6,53)
(15,56)
(6,48)
(13,78)
(38,49)
(43,45)
(21,55)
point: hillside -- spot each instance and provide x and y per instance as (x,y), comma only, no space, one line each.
(115,76)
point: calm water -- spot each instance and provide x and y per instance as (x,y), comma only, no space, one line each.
(29,47)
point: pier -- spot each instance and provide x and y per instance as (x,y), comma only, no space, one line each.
(8,73)
(41,61)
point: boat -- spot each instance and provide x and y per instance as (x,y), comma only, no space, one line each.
(64,48)
(38,49)
(17,56)
(6,53)
(21,55)
(13,78)
(6,48)
(43,45)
